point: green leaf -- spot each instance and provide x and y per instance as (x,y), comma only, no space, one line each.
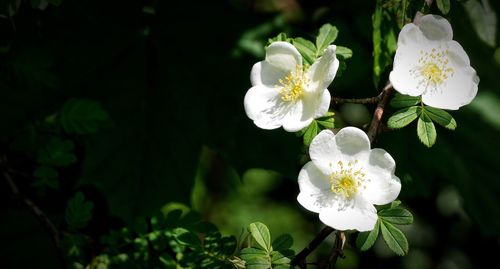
(484,20)
(401,100)
(311,131)
(403,117)
(394,238)
(343,53)
(327,35)
(278,258)
(444,6)
(82,116)
(396,215)
(78,212)
(167,261)
(384,41)
(426,130)
(306,48)
(256,258)
(328,121)
(261,235)
(442,117)
(57,153)
(47,177)
(282,242)
(279,37)
(187,238)
(365,240)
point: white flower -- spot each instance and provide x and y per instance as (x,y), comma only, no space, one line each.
(345,179)
(429,63)
(287,93)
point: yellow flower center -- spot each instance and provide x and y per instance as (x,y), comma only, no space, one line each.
(433,69)
(293,85)
(346,181)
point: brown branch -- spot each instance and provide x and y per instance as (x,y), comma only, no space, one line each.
(364,101)
(376,122)
(42,217)
(336,252)
(300,258)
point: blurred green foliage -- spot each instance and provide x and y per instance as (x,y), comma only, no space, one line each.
(129,106)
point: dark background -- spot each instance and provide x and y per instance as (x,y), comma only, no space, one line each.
(172,76)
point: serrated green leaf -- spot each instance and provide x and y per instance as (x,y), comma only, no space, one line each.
(343,53)
(311,131)
(483,19)
(401,100)
(187,238)
(78,212)
(365,240)
(278,258)
(82,116)
(442,117)
(256,258)
(396,215)
(167,261)
(47,177)
(328,121)
(327,35)
(394,238)
(261,235)
(426,130)
(306,48)
(444,6)
(403,117)
(279,37)
(57,153)
(282,242)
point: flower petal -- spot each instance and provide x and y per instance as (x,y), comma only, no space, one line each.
(262,106)
(312,184)
(461,88)
(324,104)
(361,216)
(323,70)
(382,186)
(405,60)
(324,152)
(299,115)
(283,56)
(352,141)
(266,74)
(436,28)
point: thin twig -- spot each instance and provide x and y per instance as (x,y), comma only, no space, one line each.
(374,128)
(364,101)
(338,251)
(42,217)
(300,258)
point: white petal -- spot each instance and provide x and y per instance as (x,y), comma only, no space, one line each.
(324,152)
(460,89)
(352,141)
(298,116)
(312,184)
(266,74)
(324,104)
(302,113)
(323,70)
(410,35)
(382,186)
(436,28)
(401,78)
(362,216)
(262,106)
(283,56)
